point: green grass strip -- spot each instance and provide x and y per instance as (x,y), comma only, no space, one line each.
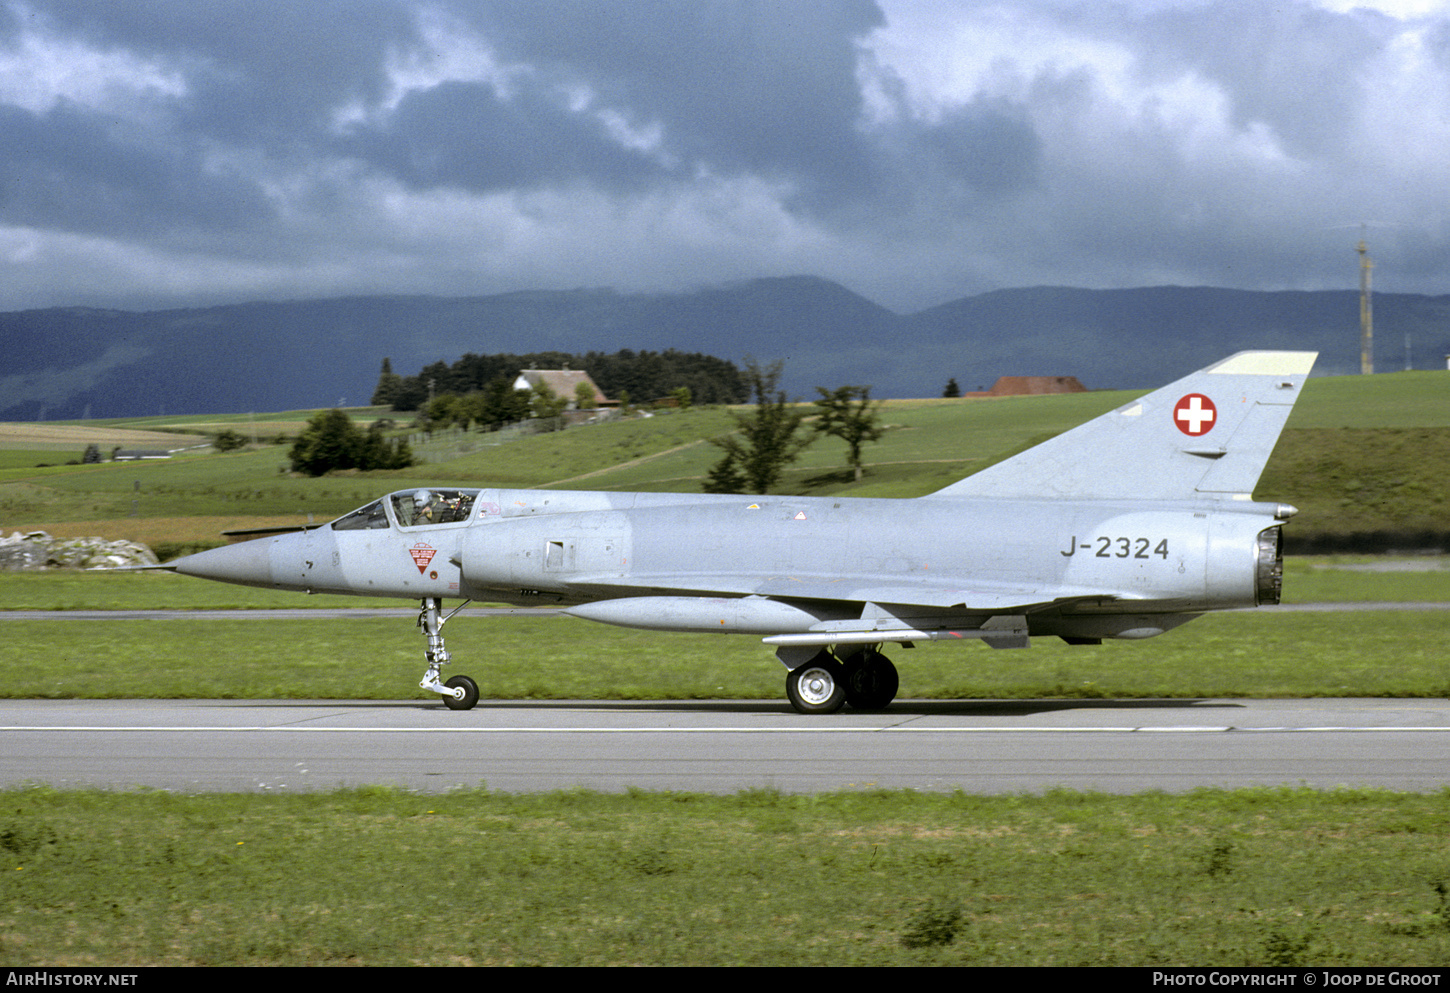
(380,876)
(1362,653)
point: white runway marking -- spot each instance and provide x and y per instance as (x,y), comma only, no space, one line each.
(293,729)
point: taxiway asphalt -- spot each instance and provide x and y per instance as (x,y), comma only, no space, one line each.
(1124,746)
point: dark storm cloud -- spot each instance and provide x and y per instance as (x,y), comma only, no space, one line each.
(268,73)
(915,150)
(465,134)
(74,170)
(737,86)
(991,147)
(734,86)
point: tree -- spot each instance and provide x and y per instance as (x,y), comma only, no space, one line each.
(584,398)
(501,404)
(548,407)
(725,477)
(381,452)
(446,410)
(765,441)
(332,441)
(848,413)
(227,440)
(952,389)
(390,385)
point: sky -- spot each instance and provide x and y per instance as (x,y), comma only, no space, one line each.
(169,153)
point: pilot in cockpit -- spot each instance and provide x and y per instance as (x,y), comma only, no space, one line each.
(422,507)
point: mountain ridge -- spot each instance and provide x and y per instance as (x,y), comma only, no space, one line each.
(70,362)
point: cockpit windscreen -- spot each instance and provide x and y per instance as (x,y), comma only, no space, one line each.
(416,508)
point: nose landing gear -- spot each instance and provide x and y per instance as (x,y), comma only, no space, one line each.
(459,692)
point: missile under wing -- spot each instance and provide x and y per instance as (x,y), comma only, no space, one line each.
(1124,527)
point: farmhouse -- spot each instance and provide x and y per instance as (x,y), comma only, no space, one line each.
(1018,386)
(564,382)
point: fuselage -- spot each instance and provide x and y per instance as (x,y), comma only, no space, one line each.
(536,547)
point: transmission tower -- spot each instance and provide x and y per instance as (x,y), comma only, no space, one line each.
(1366,311)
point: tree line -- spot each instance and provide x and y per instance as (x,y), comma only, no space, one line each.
(640,377)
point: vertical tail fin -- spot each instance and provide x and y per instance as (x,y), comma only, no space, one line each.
(1208,434)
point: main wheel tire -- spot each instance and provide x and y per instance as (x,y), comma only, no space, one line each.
(470,693)
(871,681)
(818,687)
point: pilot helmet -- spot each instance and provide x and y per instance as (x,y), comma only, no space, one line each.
(420,499)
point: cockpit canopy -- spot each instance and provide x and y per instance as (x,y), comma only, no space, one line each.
(409,509)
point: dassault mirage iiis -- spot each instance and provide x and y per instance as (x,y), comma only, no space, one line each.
(1124,527)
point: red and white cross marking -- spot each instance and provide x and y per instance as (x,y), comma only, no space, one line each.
(1194,414)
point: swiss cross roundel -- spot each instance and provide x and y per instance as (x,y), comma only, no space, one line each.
(1194,414)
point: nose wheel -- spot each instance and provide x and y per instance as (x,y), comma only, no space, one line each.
(464,693)
(459,692)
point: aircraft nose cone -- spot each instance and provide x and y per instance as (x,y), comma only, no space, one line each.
(249,563)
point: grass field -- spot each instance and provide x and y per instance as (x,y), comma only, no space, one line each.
(1387,653)
(48,438)
(385,877)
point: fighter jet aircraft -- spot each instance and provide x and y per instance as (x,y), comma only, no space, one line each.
(1124,527)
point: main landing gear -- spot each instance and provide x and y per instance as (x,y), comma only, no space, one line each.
(866,680)
(459,692)
(824,684)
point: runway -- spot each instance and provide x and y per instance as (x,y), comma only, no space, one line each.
(990,747)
